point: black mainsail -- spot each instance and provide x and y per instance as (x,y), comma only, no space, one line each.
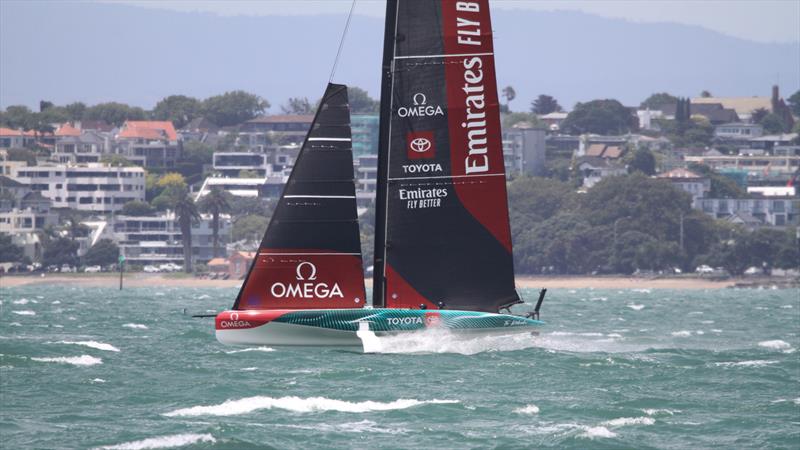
(442,231)
(310,256)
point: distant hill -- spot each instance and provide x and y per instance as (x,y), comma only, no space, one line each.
(102,52)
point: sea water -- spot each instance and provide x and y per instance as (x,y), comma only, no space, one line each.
(85,367)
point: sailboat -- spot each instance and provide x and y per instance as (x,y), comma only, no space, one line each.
(443,255)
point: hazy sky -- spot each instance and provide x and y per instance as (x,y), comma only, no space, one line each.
(757,20)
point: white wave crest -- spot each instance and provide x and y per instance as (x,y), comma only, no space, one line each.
(636,307)
(297,404)
(528,409)
(175,440)
(777,344)
(754,363)
(22,301)
(252,349)
(56,302)
(434,340)
(25,312)
(249,369)
(92,344)
(682,333)
(623,421)
(598,432)
(787,307)
(642,291)
(83,360)
(98,380)
(653,412)
(135,326)
(15,324)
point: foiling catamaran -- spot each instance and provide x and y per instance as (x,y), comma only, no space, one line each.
(443,254)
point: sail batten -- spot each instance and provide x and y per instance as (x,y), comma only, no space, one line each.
(443,232)
(310,256)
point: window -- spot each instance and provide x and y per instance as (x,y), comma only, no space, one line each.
(778,206)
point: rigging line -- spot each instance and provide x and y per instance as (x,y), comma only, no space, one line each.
(341,41)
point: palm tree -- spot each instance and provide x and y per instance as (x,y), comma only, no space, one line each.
(216,203)
(186,213)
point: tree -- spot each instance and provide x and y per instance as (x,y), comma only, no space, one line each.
(773,124)
(9,252)
(137,208)
(361,102)
(510,94)
(75,110)
(297,105)
(600,117)
(117,160)
(235,107)
(22,154)
(658,101)
(758,115)
(114,113)
(104,253)
(706,94)
(215,203)
(60,251)
(533,200)
(194,157)
(545,104)
(721,186)
(17,116)
(643,161)
(186,214)
(179,109)
(171,187)
(511,119)
(250,228)
(794,103)
(75,228)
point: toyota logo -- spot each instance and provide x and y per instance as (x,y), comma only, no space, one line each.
(420,145)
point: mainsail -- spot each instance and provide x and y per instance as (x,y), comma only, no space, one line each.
(442,232)
(310,256)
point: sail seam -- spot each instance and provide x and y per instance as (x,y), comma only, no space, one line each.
(308,254)
(319,196)
(450,176)
(313,139)
(453,55)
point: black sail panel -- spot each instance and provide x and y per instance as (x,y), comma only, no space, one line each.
(310,256)
(444,212)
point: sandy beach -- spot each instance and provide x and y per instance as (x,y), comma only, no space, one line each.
(549,282)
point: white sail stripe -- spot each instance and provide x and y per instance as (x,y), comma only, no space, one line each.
(319,196)
(334,139)
(450,176)
(452,55)
(308,254)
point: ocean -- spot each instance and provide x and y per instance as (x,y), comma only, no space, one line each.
(85,367)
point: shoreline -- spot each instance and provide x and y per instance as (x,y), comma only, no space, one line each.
(530,282)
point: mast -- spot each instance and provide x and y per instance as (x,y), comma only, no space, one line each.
(379,265)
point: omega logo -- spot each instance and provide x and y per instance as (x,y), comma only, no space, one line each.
(312,276)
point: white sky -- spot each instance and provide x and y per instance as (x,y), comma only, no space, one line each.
(757,20)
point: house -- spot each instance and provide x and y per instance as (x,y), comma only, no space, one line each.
(239,264)
(602,146)
(738,130)
(85,147)
(772,211)
(231,164)
(594,168)
(771,141)
(198,129)
(151,144)
(274,130)
(695,185)
(745,106)
(553,120)
(10,138)
(218,265)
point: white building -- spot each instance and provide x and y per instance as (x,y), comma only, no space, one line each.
(524,150)
(738,131)
(88,187)
(230,164)
(158,239)
(778,212)
(695,185)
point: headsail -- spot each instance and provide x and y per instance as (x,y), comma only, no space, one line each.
(310,256)
(442,215)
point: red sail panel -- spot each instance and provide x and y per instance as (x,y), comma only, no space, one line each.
(289,279)
(473,110)
(310,256)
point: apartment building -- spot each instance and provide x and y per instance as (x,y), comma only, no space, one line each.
(92,187)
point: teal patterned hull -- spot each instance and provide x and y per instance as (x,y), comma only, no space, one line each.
(340,327)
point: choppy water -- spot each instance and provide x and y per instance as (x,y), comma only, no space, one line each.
(89,367)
